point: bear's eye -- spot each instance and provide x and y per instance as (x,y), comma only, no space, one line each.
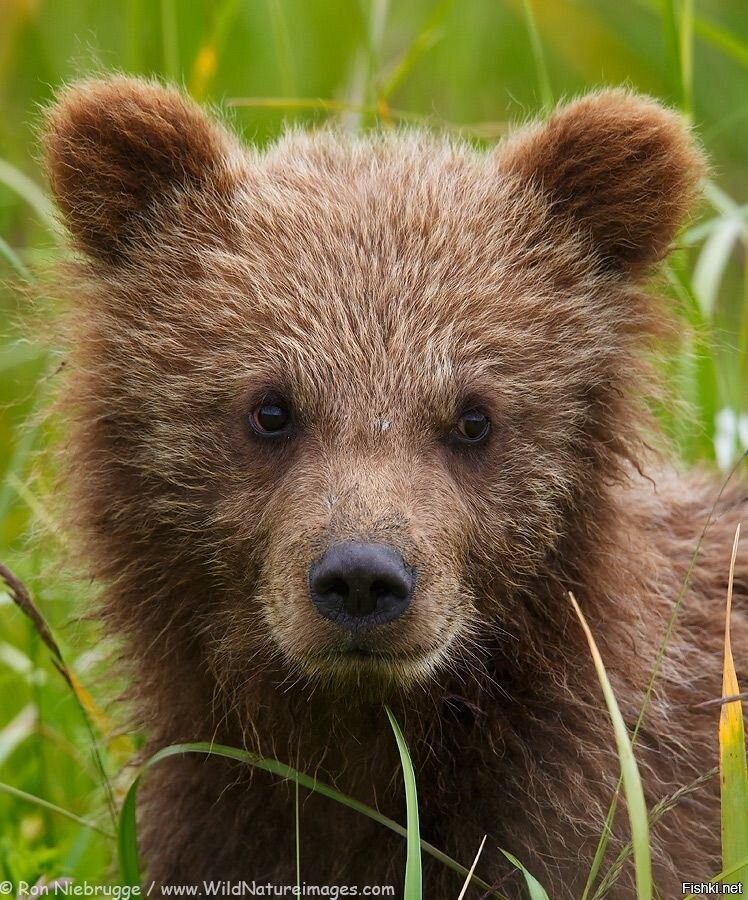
(472,426)
(271,417)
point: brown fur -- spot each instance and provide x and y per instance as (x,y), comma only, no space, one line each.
(382,283)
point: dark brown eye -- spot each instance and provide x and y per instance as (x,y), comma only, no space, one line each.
(272,417)
(472,426)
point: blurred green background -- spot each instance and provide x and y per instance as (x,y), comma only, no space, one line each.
(472,67)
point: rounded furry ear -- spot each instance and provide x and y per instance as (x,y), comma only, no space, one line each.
(620,166)
(116,147)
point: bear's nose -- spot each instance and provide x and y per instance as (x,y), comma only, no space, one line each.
(359,585)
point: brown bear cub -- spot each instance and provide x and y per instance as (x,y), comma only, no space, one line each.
(350,417)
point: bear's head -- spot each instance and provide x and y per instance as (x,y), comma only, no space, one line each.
(341,403)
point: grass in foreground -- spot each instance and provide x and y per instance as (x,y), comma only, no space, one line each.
(467,68)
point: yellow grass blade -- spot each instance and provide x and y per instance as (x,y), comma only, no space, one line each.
(732,764)
(121,745)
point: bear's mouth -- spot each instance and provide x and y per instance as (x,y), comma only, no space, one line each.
(368,655)
(365,653)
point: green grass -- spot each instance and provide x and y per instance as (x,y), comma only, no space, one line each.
(127,854)
(469,67)
(632,785)
(413,887)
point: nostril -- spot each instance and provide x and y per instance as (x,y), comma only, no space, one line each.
(381,589)
(334,587)
(359,585)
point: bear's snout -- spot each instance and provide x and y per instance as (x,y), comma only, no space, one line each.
(361,585)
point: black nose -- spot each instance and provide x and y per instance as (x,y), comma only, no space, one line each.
(360,585)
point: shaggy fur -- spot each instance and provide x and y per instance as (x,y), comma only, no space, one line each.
(382,285)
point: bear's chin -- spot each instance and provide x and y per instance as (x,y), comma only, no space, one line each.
(371,671)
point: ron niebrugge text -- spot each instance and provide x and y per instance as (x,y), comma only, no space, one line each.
(65,888)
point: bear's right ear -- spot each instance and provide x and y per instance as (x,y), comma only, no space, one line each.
(116,147)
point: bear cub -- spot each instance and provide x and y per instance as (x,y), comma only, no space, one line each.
(349,417)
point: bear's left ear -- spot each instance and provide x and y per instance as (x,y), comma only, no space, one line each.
(116,148)
(623,168)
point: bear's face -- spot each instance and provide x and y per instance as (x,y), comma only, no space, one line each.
(360,385)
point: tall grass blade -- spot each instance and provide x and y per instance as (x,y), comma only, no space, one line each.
(19,729)
(29,190)
(672,48)
(134,46)
(282,47)
(19,458)
(52,807)
(413,886)
(720,199)
(170,40)
(297,823)
(205,66)
(632,785)
(732,763)
(427,37)
(129,865)
(14,260)
(127,840)
(364,79)
(536,45)
(39,509)
(712,262)
(743,343)
(685,45)
(378,13)
(723,39)
(534,887)
(20,595)
(602,847)
(663,806)
(727,41)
